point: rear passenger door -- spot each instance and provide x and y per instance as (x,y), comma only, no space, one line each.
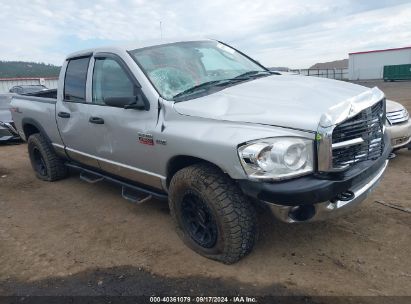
(72,113)
(123,142)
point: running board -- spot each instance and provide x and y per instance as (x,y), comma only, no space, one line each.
(90,178)
(131,192)
(133,196)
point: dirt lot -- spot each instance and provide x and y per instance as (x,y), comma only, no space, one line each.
(72,237)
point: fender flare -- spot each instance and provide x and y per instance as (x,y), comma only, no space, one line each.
(30,121)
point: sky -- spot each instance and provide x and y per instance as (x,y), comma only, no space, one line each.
(292,33)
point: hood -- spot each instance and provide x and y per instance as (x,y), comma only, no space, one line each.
(393,106)
(281,100)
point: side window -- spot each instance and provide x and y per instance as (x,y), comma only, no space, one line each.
(75,80)
(110,80)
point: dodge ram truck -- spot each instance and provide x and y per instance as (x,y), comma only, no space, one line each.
(202,125)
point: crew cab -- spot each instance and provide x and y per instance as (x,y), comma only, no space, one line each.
(214,132)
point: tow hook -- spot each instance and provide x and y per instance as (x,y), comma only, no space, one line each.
(345,196)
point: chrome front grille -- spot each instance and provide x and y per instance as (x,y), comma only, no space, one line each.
(397,117)
(359,138)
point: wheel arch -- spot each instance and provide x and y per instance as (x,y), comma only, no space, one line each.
(179,162)
(31,126)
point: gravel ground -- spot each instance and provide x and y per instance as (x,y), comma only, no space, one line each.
(70,237)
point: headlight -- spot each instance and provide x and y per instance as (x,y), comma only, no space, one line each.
(277,158)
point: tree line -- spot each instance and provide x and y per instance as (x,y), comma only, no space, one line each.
(9,69)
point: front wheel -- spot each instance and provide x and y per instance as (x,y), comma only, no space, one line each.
(212,215)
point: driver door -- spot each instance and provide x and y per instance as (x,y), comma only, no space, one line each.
(118,131)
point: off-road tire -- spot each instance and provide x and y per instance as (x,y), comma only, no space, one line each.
(234,215)
(54,165)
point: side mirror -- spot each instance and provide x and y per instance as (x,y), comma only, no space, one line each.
(131,102)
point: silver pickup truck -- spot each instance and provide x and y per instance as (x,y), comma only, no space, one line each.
(213,131)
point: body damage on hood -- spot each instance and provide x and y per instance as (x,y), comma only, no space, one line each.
(270,101)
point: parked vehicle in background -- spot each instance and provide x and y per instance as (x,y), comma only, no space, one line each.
(212,130)
(398,125)
(27,89)
(8,131)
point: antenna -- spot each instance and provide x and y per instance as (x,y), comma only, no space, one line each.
(161,31)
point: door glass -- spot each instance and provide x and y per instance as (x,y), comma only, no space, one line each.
(110,80)
(75,80)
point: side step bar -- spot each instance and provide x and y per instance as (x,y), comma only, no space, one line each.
(130,192)
(135,196)
(90,178)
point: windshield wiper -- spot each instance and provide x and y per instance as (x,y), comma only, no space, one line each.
(252,74)
(221,82)
(200,86)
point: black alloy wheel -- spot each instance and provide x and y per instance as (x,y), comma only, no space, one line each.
(39,163)
(211,214)
(199,221)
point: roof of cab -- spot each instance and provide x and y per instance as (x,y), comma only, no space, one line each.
(131,46)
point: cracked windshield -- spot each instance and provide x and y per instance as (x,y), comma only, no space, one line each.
(187,68)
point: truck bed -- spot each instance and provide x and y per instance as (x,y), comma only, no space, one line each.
(39,110)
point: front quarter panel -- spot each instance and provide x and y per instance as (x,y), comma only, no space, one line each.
(215,141)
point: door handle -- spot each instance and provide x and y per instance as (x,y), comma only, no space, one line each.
(96,120)
(63,115)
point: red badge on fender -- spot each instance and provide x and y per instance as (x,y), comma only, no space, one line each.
(145,139)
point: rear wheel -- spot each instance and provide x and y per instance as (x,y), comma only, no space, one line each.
(211,214)
(45,162)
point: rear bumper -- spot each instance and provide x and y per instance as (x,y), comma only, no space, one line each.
(319,195)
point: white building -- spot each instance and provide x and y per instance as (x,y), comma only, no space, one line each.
(370,64)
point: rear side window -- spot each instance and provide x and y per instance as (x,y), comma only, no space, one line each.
(75,81)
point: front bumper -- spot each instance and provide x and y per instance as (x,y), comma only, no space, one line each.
(318,197)
(400,134)
(334,208)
